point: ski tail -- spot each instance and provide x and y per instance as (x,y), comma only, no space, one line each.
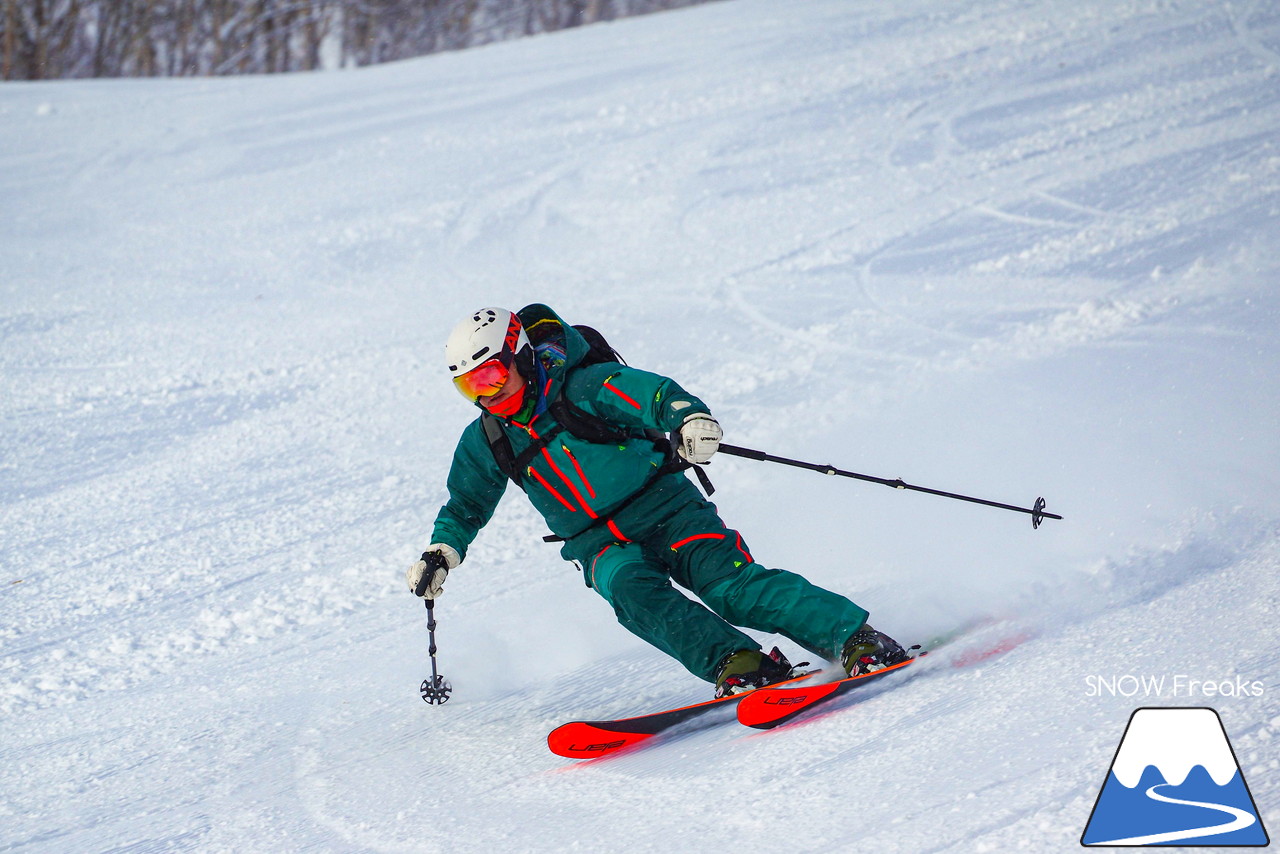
(776,704)
(593,739)
(588,740)
(771,706)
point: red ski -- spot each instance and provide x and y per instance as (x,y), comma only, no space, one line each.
(765,708)
(774,705)
(591,739)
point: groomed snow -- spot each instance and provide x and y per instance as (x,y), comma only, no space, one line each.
(1009,248)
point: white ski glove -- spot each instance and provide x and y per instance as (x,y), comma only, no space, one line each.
(699,438)
(426,577)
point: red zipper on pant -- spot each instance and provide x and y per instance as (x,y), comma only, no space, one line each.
(594,561)
(687,540)
(711,535)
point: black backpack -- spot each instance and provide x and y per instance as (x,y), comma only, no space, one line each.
(599,350)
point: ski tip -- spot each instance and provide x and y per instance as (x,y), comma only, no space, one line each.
(765,709)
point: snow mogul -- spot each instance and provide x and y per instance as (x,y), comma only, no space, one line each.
(600,449)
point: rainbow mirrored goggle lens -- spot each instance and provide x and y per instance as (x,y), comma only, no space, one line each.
(482,381)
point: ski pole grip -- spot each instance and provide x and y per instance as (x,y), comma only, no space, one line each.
(749,453)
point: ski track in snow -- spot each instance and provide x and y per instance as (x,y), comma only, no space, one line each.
(1007,249)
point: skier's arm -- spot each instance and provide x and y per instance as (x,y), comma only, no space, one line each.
(475,486)
(630,397)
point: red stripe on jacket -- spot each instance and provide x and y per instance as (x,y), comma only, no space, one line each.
(622,394)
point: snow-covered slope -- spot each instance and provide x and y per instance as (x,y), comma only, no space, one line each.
(1006,248)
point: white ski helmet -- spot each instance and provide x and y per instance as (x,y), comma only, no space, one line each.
(488,335)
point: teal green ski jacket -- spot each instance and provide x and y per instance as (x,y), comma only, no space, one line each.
(573,483)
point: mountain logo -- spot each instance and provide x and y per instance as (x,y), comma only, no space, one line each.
(1175,781)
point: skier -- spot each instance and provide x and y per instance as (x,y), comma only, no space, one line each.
(585,437)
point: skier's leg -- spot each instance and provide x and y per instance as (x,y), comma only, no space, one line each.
(639,589)
(712,560)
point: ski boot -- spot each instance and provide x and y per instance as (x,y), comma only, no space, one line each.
(748,669)
(868,650)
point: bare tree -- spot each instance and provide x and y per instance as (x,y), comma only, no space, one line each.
(39,38)
(113,38)
(10,40)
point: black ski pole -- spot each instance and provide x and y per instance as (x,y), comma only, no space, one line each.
(435,690)
(1037,511)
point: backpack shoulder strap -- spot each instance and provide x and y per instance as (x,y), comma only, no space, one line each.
(503,454)
(511,464)
(584,425)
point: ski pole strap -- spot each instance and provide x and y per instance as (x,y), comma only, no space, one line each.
(705,481)
(1037,512)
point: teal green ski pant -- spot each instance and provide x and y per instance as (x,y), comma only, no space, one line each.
(693,548)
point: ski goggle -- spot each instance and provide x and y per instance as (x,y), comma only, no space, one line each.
(484,380)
